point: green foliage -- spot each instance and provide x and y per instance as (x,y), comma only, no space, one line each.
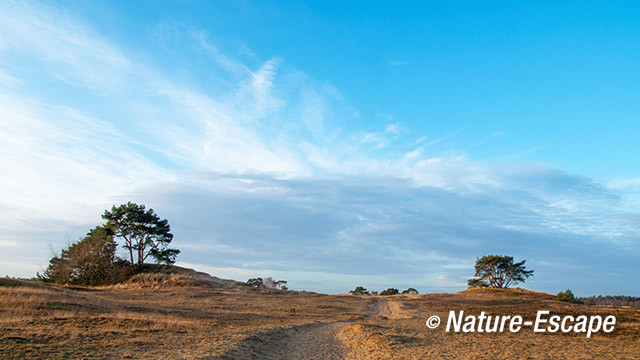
(477,283)
(359,290)
(566,296)
(498,271)
(255,282)
(410,291)
(292,311)
(143,232)
(390,291)
(91,261)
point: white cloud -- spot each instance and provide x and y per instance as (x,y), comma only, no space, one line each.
(381,139)
(625,183)
(8,80)
(259,176)
(81,55)
(12,268)
(60,162)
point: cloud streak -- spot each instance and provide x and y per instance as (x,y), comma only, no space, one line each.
(258,174)
(386,227)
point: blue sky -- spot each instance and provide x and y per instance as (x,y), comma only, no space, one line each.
(330,144)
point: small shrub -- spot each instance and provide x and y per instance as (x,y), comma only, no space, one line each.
(292,311)
(410,291)
(359,290)
(566,296)
(390,291)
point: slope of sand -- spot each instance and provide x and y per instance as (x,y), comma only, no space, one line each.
(190,315)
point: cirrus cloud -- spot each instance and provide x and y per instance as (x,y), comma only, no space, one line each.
(259,175)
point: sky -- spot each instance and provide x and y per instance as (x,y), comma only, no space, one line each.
(330,144)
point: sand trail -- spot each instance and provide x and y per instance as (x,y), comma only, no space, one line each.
(335,340)
(312,341)
(391,309)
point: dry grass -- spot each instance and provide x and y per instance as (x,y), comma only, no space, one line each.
(194,317)
(157,281)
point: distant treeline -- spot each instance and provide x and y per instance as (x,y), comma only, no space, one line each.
(617,300)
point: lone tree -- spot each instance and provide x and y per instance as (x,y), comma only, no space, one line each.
(498,271)
(410,291)
(144,233)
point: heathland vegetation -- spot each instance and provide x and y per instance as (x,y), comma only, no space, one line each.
(180,313)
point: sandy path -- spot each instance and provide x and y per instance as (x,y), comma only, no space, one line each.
(316,342)
(312,341)
(390,309)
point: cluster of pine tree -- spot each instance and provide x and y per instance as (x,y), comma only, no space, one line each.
(92,260)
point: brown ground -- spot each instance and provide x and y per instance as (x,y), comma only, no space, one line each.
(193,316)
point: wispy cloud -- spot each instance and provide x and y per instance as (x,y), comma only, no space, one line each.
(80,55)
(257,174)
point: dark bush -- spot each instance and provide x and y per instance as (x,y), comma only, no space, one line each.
(566,296)
(359,290)
(255,282)
(91,261)
(390,291)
